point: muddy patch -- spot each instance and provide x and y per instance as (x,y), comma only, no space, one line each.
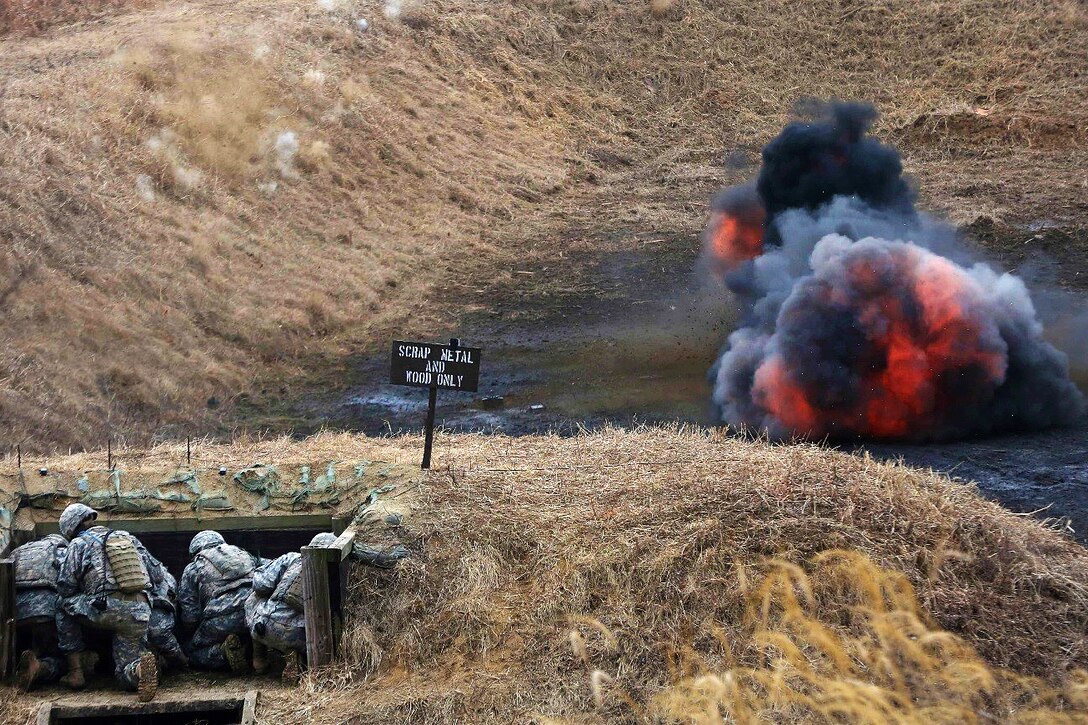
(631,342)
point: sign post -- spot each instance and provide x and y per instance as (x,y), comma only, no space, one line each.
(432,366)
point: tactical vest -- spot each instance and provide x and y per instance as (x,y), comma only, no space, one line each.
(126,564)
(234,567)
(289,590)
(36,563)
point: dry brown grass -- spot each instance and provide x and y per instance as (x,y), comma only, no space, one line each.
(433,151)
(667,557)
(24,17)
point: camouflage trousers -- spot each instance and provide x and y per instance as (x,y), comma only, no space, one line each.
(160,635)
(204,648)
(280,636)
(126,619)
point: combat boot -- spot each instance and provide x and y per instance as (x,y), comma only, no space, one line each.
(89,660)
(74,679)
(235,652)
(290,668)
(147,674)
(179,661)
(29,670)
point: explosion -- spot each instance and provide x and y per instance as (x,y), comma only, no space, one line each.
(863,317)
(736,228)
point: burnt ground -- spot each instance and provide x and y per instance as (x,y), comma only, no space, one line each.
(627,337)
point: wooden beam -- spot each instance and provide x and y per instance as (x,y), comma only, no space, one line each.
(249,708)
(7,618)
(317,608)
(219,523)
(344,542)
(71,712)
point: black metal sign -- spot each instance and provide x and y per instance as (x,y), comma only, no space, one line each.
(433,366)
(426,364)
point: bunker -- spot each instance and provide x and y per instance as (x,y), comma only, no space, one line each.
(324,570)
(267,509)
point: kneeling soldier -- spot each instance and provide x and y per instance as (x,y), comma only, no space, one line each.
(274,612)
(37,568)
(104,583)
(212,596)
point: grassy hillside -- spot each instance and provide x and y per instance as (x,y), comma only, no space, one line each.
(671,571)
(200,200)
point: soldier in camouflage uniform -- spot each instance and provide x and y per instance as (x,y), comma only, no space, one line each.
(214,588)
(37,567)
(160,631)
(274,612)
(106,593)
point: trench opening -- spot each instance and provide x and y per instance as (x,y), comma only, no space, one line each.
(225,711)
(168,540)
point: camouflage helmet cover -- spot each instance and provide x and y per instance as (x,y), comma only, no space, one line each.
(74,515)
(205,540)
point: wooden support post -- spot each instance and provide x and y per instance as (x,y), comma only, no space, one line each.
(317,608)
(7,618)
(324,582)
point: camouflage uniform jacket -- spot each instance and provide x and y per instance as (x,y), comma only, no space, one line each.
(266,581)
(86,569)
(206,592)
(36,591)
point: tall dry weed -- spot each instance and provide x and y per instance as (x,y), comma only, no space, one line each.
(844,641)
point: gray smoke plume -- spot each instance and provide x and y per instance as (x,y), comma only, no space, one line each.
(862,317)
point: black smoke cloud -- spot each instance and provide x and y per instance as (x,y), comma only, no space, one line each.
(865,318)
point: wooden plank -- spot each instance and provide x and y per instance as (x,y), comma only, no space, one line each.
(317,609)
(343,544)
(45,714)
(61,710)
(249,709)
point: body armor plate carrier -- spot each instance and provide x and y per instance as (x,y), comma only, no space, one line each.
(289,590)
(36,564)
(235,566)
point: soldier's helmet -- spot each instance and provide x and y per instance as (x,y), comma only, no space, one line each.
(205,540)
(323,539)
(74,515)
